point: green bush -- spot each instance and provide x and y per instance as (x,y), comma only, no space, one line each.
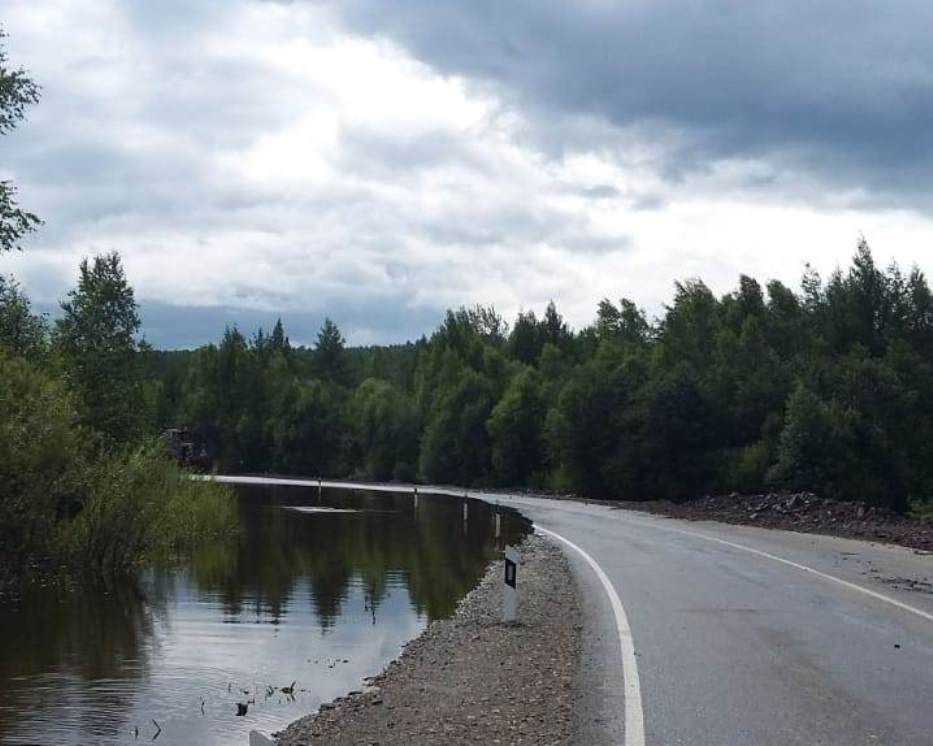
(922,511)
(41,457)
(746,468)
(143,504)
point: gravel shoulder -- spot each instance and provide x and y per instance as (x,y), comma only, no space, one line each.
(471,678)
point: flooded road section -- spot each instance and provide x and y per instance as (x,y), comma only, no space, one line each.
(317,590)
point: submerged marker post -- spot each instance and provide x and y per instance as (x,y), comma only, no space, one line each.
(510,585)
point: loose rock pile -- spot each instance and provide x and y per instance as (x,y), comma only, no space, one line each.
(472,679)
(801,511)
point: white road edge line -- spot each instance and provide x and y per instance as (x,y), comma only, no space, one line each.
(790,563)
(634,714)
(803,568)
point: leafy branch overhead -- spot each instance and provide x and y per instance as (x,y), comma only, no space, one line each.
(17,92)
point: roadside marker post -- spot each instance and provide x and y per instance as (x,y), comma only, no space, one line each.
(465,510)
(416,497)
(498,521)
(509,587)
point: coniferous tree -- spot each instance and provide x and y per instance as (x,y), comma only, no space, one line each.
(277,340)
(330,361)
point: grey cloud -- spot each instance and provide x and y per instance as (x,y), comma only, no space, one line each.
(842,88)
(649,202)
(400,155)
(600,191)
(130,149)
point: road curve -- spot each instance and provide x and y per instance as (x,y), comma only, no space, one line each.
(742,635)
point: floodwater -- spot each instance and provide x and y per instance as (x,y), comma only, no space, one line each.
(320,591)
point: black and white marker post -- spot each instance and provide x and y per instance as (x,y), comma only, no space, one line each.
(509,588)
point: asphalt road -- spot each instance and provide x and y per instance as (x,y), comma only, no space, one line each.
(743,635)
(737,647)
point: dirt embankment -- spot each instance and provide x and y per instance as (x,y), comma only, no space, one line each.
(472,679)
(800,511)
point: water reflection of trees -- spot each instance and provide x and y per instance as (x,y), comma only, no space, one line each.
(89,634)
(428,549)
(54,643)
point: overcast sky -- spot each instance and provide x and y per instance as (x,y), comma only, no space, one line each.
(380,162)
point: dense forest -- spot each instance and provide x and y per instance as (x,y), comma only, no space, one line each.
(828,389)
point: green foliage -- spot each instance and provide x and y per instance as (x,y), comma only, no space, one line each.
(97,339)
(746,469)
(922,511)
(142,504)
(311,436)
(816,445)
(455,445)
(330,361)
(386,429)
(516,429)
(41,456)
(22,333)
(74,481)
(668,437)
(581,430)
(17,91)
(828,389)
(62,495)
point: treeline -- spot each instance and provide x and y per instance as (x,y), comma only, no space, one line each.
(826,389)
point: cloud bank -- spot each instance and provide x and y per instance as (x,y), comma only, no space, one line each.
(379,163)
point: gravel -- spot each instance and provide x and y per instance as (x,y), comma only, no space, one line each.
(471,678)
(801,511)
